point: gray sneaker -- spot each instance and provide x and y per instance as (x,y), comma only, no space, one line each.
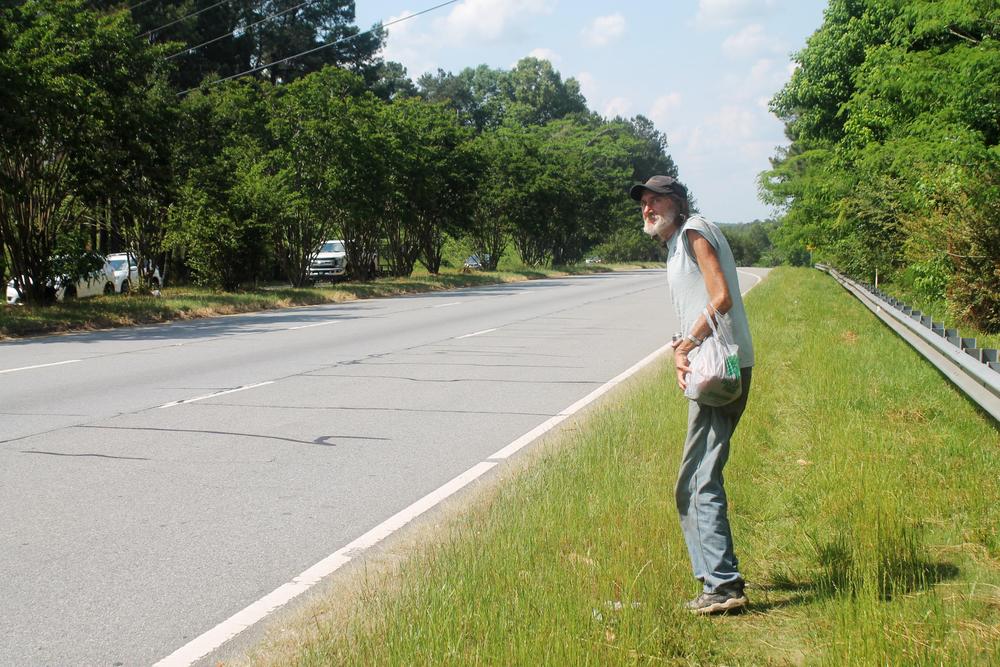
(722,601)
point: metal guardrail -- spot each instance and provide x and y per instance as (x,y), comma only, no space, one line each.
(975,370)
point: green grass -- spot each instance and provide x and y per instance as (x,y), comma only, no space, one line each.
(864,502)
(940,311)
(190,302)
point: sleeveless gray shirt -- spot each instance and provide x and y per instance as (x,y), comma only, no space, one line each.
(687,285)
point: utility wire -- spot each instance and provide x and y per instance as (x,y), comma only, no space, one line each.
(233,32)
(167,25)
(139,4)
(320,47)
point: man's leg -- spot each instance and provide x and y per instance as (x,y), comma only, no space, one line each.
(701,495)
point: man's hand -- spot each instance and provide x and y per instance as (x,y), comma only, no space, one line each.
(681,363)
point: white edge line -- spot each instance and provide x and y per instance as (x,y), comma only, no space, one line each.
(240,621)
(218,393)
(477,333)
(28,368)
(317,324)
(752,275)
(449,305)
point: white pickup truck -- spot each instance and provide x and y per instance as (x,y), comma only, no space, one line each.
(329,262)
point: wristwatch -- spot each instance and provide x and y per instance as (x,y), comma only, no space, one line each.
(694,340)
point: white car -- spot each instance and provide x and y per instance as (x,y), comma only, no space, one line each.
(126,272)
(101,281)
(329,262)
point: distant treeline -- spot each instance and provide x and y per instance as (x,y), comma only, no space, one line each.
(752,245)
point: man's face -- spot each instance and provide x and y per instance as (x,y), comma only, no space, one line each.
(655,204)
(658,214)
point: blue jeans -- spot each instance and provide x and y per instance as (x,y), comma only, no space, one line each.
(701,498)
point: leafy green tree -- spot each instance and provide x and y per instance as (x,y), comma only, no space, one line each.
(538,94)
(629,244)
(479,94)
(364,162)
(649,156)
(433,179)
(222,219)
(388,81)
(492,204)
(308,133)
(74,102)
(532,93)
(894,114)
(208,38)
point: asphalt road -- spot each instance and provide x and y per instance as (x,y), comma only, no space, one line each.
(155,481)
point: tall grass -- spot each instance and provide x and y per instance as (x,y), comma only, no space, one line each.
(864,502)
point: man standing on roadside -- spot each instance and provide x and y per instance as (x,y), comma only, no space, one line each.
(702,276)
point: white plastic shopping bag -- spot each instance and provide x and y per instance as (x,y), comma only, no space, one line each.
(714,378)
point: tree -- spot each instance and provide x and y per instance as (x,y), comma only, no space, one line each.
(388,81)
(478,94)
(538,94)
(208,38)
(894,114)
(74,81)
(434,176)
(532,93)
(650,155)
(308,134)
(226,200)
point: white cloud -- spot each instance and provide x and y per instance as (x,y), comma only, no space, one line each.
(588,86)
(663,106)
(604,30)
(417,44)
(545,54)
(761,79)
(489,20)
(726,13)
(750,41)
(618,106)
(404,44)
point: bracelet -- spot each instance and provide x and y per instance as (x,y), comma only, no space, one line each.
(694,339)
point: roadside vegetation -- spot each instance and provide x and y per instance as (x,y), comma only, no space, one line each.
(193,302)
(893,173)
(864,507)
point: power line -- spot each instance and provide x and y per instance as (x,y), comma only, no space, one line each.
(139,4)
(319,48)
(234,30)
(167,25)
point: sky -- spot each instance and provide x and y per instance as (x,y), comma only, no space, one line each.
(702,70)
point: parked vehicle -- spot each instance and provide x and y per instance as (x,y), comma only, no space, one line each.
(99,281)
(476,262)
(126,272)
(329,262)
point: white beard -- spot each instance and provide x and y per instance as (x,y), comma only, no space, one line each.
(657,227)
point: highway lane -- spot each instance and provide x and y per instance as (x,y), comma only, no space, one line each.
(154,481)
